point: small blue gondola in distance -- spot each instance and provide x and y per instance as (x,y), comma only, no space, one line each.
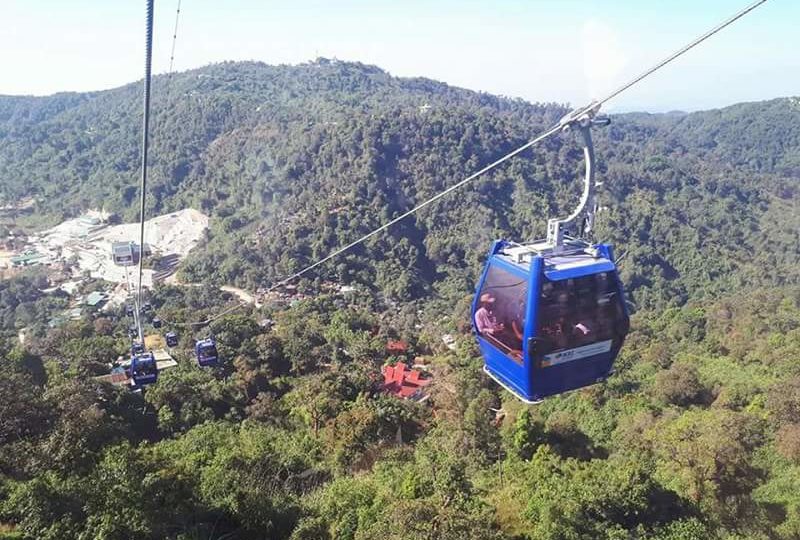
(171,339)
(144,369)
(206,352)
(137,348)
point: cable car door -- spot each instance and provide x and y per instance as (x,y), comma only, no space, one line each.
(580,326)
(499,311)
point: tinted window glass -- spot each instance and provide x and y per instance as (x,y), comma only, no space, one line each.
(500,310)
(580,311)
(145,367)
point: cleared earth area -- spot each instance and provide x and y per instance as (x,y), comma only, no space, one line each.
(170,237)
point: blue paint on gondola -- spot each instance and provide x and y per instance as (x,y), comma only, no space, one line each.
(144,370)
(171,339)
(206,352)
(570,329)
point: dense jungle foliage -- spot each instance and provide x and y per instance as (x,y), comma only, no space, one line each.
(295,161)
(697,435)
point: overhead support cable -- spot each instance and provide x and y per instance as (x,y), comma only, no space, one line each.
(692,44)
(554,129)
(417,208)
(574,115)
(145,141)
(174,39)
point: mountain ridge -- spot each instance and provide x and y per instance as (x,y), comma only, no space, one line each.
(277,148)
(294,435)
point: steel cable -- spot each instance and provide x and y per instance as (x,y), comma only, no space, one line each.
(145,139)
(577,113)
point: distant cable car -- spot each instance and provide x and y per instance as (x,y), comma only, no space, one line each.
(129,310)
(156,322)
(133,332)
(144,369)
(125,253)
(147,307)
(206,352)
(128,253)
(171,338)
(550,316)
(137,348)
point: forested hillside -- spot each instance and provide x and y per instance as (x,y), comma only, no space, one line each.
(295,161)
(697,436)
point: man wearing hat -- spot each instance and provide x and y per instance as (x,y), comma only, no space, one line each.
(484,318)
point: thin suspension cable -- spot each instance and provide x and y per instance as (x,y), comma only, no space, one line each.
(132,298)
(551,131)
(385,225)
(145,139)
(730,20)
(168,84)
(174,39)
(418,207)
(208,320)
(557,127)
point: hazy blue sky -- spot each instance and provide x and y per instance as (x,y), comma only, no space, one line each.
(540,50)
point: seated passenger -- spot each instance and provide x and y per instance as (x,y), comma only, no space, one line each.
(582,328)
(518,322)
(602,283)
(563,302)
(485,320)
(588,328)
(555,335)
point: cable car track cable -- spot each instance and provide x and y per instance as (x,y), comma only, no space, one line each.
(577,113)
(145,140)
(676,54)
(174,39)
(549,132)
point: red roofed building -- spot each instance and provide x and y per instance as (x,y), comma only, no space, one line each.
(403,382)
(396,346)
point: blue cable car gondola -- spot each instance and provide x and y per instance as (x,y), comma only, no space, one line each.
(171,338)
(137,348)
(144,370)
(156,322)
(550,316)
(206,352)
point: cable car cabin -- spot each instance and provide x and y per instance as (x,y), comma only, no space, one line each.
(156,322)
(549,322)
(125,253)
(171,339)
(128,253)
(206,352)
(144,369)
(137,348)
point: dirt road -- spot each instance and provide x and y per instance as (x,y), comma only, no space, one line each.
(243,295)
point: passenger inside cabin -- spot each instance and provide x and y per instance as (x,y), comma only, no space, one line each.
(485,319)
(580,311)
(146,368)
(500,311)
(555,333)
(584,330)
(518,322)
